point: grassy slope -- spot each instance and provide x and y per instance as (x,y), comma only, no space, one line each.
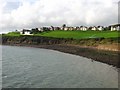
(74,34)
(79,34)
(12,34)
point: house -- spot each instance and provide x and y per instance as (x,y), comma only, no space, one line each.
(83,28)
(40,29)
(61,28)
(115,27)
(47,28)
(71,28)
(26,32)
(100,28)
(77,28)
(66,28)
(52,28)
(90,28)
(57,28)
(94,28)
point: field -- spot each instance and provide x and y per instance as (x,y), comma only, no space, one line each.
(12,34)
(74,34)
(80,34)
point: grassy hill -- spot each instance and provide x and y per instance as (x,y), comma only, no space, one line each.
(74,34)
(12,34)
(79,34)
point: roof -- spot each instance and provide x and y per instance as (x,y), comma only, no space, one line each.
(115,25)
(26,30)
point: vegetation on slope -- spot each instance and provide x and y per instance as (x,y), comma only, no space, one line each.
(12,34)
(73,34)
(79,34)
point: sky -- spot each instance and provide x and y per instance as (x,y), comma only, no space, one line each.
(19,14)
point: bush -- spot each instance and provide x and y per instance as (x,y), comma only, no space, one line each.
(14,33)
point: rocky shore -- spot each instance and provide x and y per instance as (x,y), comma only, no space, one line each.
(107,53)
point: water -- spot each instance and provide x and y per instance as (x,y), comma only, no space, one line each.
(26,67)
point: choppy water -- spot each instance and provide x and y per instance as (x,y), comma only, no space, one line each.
(25,67)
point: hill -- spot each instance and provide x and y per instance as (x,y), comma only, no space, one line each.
(79,34)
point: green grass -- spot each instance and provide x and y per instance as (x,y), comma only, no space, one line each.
(79,34)
(73,34)
(12,34)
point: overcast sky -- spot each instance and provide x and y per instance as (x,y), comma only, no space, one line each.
(19,14)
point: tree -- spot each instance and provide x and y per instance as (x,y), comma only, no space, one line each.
(107,28)
(64,26)
(35,31)
(52,27)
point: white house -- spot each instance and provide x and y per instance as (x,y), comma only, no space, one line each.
(26,32)
(40,29)
(77,28)
(115,27)
(65,29)
(83,28)
(100,28)
(118,28)
(94,28)
(71,28)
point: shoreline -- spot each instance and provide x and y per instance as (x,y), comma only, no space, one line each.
(105,50)
(104,56)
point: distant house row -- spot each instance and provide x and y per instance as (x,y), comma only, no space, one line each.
(115,27)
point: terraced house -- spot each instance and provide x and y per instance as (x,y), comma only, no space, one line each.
(115,27)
